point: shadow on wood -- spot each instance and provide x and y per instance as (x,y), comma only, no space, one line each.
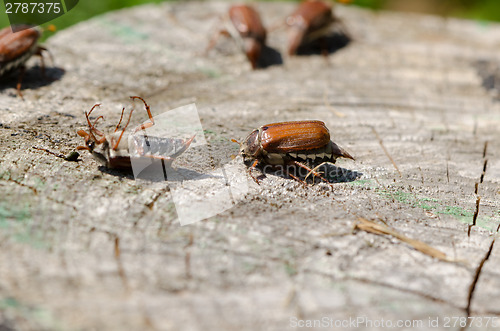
(33,78)
(328,44)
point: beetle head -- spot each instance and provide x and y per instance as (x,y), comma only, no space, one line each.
(251,148)
(253,49)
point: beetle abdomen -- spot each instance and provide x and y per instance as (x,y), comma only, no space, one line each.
(158,146)
(310,157)
(293,137)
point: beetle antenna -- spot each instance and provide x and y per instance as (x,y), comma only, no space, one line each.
(91,127)
(235,141)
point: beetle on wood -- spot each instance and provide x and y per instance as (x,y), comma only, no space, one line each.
(304,144)
(117,153)
(16,48)
(311,21)
(247,29)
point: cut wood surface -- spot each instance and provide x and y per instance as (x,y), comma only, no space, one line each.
(413,98)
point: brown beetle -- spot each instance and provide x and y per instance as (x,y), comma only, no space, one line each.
(247,29)
(115,152)
(16,48)
(310,21)
(301,143)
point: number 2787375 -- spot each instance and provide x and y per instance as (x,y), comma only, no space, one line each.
(32,7)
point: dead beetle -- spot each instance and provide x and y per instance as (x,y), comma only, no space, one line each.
(117,153)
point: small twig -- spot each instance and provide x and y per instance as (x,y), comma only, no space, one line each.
(50,152)
(73,156)
(372,227)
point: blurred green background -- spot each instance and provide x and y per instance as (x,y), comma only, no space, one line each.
(472,9)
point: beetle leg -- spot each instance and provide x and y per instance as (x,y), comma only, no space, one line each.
(296,178)
(92,129)
(121,117)
(254,164)
(40,51)
(22,70)
(96,120)
(310,171)
(42,62)
(85,136)
(221,31)
(148,110)
(96,105)
(123,131)
(317,167)
(213,41)
(313,170)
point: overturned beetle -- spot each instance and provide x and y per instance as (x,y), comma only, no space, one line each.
(117,151)
(305,144)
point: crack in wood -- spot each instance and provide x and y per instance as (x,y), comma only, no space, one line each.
(476,188)
(477,274)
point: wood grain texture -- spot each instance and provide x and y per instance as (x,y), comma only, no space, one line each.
(282,250)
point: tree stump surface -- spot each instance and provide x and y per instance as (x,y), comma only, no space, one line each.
(414,98)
